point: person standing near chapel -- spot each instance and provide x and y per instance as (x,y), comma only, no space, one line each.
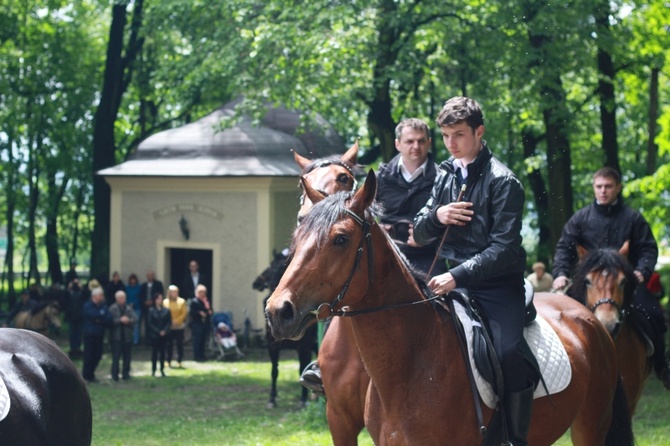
(482,246)
(121,335)
(159,323)
(96,318)
(200,312)
(608,223)
(192,279)
(147,291)
(178,312)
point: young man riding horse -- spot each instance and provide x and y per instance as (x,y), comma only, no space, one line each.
(609,223)
(482,246)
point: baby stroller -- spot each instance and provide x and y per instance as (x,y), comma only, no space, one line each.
(223,342)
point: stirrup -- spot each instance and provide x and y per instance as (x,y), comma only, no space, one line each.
(311,379)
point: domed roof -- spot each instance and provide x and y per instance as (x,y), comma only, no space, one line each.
(202,148)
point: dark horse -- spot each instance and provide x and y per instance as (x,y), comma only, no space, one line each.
(342,263)
(48,401)
(605,283)
(269,279)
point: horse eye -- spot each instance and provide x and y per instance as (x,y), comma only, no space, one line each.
(587,282)
(340,240)
(343,178)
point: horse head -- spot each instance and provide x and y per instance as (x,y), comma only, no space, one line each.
(52,314)
(329,237)
(328,175)
(605,283)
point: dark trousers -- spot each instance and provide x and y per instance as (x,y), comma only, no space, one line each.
(75,335)
(648,314)
(504,307)
(158,351)
(175,337)
(93,345)
(199,332)
(121,349)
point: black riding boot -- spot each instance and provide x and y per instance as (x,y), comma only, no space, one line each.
(311,378)
(518,408)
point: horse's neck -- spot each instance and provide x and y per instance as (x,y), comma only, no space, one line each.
(399,345)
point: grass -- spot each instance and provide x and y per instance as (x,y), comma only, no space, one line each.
(217,403)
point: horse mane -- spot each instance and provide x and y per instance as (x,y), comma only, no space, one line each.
(606,260)
(356,170)
(326,212)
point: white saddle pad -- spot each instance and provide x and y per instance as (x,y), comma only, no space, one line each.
(4,400)
(545,345)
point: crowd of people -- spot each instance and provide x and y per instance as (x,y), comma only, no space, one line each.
(129,314)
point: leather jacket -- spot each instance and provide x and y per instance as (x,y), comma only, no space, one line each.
(487,250)
(606,226)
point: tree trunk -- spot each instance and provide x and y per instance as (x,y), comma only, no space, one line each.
(540,197)
(606,74)
(79,202)
(55,194)
(33,199)
(556,117)
(652,147)
(118,72)
(10,206)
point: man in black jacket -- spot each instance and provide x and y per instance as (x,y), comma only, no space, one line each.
(483,246)
(404,186)
(608,223)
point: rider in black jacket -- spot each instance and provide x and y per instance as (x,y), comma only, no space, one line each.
(483,246)
(609,223)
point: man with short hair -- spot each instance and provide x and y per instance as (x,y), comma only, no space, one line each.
(608,223)
(121,334)
(96,319)
(482,246)
(192,280)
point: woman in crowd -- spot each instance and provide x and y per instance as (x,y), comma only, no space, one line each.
(158,323)
(133,293)
(179,311)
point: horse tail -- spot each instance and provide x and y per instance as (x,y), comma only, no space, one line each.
(620,432)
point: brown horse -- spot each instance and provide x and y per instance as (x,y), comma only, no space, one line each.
(342,262)
(345,380)
(605,283)
(40,319)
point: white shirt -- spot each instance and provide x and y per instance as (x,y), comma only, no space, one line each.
(462,167)
(409,177)
(195,278)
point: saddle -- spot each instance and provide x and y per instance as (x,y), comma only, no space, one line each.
(543,350)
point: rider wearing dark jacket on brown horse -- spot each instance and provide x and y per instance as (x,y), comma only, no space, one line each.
(483,246)
(609,223)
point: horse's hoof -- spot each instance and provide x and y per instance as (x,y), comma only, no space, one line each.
(270,405)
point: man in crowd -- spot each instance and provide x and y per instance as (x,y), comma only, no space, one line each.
(147,291)
(609,223)
(192,280)
(121,334)
(25,304)
(539,278)
(96,319)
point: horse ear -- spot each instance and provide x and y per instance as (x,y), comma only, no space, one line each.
(581,252)
(350,157)
(300,160)
(366,194)
(625,248)
(314,195)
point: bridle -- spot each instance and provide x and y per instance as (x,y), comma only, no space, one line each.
(622,310)
(326,163)
(366,239)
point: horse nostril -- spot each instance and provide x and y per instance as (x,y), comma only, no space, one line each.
(286,313)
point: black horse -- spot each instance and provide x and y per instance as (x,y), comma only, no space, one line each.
(269,279)
(47,397)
